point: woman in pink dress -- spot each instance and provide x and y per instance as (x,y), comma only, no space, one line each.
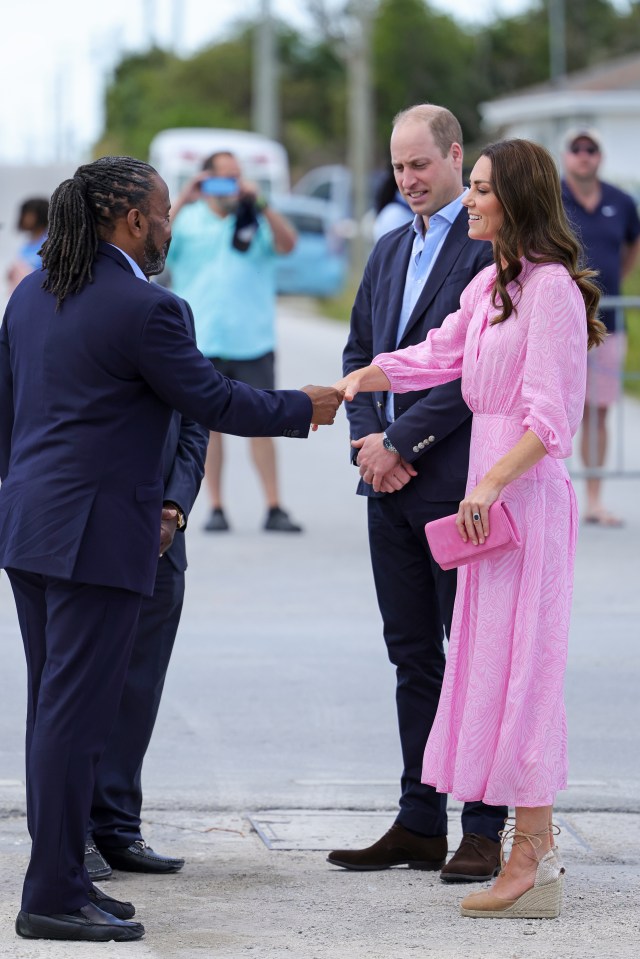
(519,341)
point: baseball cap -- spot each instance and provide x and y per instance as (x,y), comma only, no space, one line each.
(578,133)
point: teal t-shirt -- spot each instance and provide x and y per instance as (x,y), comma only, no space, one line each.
(232,294)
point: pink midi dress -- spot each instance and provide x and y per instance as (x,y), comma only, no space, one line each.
(500,730)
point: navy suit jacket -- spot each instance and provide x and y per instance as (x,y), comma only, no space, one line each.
(183,459)
(86,398)
(439,412)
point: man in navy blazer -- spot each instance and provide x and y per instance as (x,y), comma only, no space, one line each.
(93,362)
(413,454)
(114,837)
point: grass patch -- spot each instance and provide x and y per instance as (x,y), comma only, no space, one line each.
(339,307)
(631,287)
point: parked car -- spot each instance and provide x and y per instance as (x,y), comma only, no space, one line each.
(319,264)
(331,183)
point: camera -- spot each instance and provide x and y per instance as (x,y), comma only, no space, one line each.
(219,186)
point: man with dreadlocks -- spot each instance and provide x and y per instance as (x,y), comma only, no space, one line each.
(93,360)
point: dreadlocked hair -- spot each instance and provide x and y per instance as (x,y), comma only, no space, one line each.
(83,211)
(525,180)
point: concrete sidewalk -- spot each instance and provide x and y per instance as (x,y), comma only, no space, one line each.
(236,898)
(279,711)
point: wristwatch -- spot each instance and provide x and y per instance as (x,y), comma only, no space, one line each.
(181,521)
(388,445)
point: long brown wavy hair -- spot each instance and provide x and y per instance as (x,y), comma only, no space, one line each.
(525,180)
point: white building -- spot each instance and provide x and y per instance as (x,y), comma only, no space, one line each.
(606,97)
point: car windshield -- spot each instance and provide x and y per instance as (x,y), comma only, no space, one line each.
(306,222)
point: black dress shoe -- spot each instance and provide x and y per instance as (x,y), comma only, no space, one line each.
(95,863)
(89,923)
(138,857)
(398,847)
(115,907)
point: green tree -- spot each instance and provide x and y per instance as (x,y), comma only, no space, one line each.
(514,51)
(156,90)
(418,56)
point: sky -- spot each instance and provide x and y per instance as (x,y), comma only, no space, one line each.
(55,58)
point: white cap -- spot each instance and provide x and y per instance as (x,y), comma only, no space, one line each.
(582,133)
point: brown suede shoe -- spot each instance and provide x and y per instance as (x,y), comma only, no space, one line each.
(398,847)
(476,859)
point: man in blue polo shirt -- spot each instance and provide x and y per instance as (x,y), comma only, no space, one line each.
(223,258)
(606,221)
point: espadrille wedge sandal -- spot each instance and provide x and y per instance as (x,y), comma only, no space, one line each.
(542,901)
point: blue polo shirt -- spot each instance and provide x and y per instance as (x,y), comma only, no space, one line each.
(603,233)
(232,294)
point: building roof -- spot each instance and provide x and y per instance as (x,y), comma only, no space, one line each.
(612,75)
(610,88)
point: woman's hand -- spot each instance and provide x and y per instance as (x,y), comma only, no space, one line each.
(365,380)
(473,512)
(528,451)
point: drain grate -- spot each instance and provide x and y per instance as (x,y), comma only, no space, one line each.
(318,830)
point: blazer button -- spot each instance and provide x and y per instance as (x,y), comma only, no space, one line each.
(432,439)
(416,449)
(295,432)
(421,445)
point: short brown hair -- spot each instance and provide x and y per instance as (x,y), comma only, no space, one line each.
(443,125)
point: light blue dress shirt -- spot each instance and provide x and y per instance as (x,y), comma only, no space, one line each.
(134,266)
(426,247)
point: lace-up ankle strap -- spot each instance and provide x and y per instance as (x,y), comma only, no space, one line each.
(519,838)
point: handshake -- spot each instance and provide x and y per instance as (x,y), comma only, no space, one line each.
(326,401)
(381,466)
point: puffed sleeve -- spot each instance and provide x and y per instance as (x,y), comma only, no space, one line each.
(555,365)
(438,359)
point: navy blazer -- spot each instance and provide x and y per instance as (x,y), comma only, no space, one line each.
(86,398)
(439,412)
(183,459)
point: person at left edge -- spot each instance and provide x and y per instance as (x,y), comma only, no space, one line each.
(115,837)
(92,363)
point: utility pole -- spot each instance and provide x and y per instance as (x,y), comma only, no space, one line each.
(149,19)
(557,42)
(178,14)
(360,120)
(266,118)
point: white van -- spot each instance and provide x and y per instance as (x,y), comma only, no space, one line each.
(178,154)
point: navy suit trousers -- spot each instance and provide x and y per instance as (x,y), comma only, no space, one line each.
(416,600)
(77,640)
(117,796)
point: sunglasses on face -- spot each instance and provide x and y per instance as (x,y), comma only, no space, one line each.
(584,148)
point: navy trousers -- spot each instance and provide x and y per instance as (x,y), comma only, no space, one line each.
(77,641)
(416,600)
(117,794)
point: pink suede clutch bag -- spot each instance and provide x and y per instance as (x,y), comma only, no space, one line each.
(449,551)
